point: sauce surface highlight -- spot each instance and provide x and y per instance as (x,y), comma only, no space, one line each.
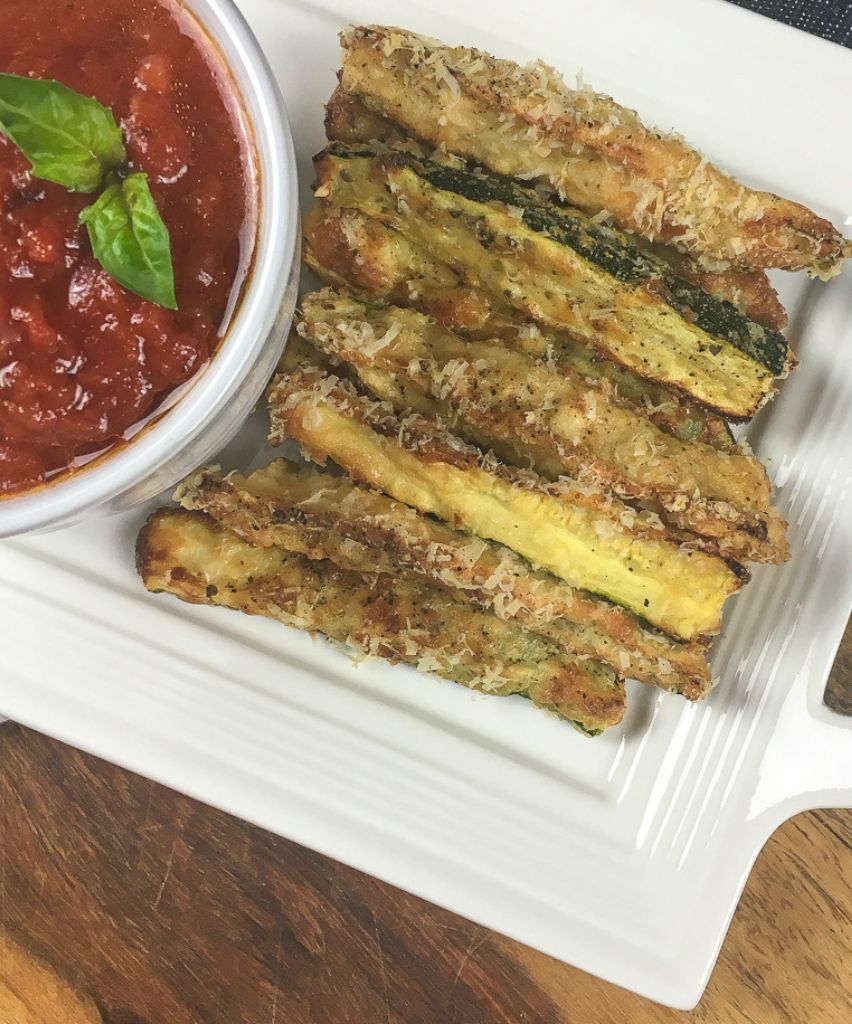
(82,360)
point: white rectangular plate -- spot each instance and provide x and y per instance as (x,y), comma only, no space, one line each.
(624,855)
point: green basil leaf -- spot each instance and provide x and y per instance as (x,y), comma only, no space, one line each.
(68,138)
(130,240)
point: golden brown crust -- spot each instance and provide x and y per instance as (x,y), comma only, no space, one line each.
(325,517)
(525,122)
(350,250)
(349,120)
(399,618)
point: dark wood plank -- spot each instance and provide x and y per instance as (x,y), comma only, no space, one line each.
(838,691)
(162,910)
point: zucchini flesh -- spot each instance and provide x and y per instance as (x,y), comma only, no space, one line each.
(401,618)
(584,538)
(561,268)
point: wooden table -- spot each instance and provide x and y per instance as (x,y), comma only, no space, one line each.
(122,902)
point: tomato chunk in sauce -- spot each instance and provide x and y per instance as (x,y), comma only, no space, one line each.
(83,361)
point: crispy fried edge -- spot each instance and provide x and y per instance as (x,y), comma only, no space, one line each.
(350,120)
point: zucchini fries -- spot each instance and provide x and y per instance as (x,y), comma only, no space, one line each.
(563,269)
(524,122)
(401,618)
(588,539)
(531,415)
(308,510)
(538,321)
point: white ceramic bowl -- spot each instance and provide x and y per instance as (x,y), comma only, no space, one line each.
(220,398)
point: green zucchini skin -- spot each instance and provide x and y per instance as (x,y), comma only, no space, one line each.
(712,321)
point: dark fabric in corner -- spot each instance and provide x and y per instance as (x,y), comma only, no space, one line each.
(831,19)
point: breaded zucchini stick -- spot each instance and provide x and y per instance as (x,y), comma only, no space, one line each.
(349,249)
(305,509)
(562,269)
(588,539)
(530,415)
(400,618)
(525,122)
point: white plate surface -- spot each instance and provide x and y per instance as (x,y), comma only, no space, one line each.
(624,855)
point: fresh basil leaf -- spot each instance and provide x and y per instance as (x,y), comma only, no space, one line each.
(130,240)
(68,138)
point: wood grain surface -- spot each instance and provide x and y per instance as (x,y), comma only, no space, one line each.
(123,902)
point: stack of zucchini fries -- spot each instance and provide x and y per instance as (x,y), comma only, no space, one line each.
(539,319)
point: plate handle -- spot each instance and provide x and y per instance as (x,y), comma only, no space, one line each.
(809,757)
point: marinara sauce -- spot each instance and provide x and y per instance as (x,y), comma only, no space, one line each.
(83,361)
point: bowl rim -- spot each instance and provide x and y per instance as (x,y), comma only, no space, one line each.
(109,476)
